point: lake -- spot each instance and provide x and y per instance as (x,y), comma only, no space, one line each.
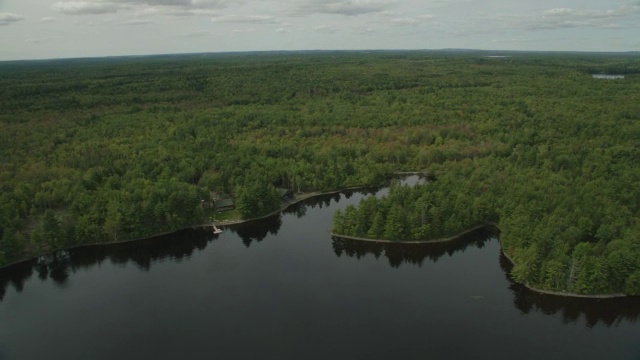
(282,288)
(607,76)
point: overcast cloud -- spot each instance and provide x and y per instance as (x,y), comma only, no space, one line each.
(8,18)
(65,28)
(343,7)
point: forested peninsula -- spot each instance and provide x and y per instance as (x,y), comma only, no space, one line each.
(110,149)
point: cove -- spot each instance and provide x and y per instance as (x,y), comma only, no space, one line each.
(282,288)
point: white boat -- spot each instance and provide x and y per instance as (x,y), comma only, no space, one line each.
(216,230)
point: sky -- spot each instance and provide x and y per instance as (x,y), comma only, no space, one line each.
(42,29)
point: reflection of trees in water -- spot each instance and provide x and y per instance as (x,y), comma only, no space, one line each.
(15,276)
(56,267)
(300,209)
(257,230)
(595,311)
(182,244)
(397,254)
(314,202)
(143,253)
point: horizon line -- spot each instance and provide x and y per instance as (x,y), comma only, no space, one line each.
(247,52)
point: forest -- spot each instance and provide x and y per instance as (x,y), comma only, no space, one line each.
(110,149)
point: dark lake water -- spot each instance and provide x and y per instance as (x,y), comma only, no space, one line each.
(283,289)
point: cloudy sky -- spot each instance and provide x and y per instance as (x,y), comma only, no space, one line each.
(36,29)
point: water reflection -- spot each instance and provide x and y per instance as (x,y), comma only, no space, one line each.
(300,209)
(142,253)
(182,245)
(607,312)
(15,276)
(176,246)
(398,254)
(258,229)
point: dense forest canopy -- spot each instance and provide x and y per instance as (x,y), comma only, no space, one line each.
(98,150)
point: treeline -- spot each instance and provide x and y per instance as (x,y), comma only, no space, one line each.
(111,149)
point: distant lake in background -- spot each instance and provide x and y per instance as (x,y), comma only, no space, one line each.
(282,288)
(607,76)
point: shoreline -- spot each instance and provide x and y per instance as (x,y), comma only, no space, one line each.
(454,237)
(286,204)
(433,241)
(561,293)
(298,198)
